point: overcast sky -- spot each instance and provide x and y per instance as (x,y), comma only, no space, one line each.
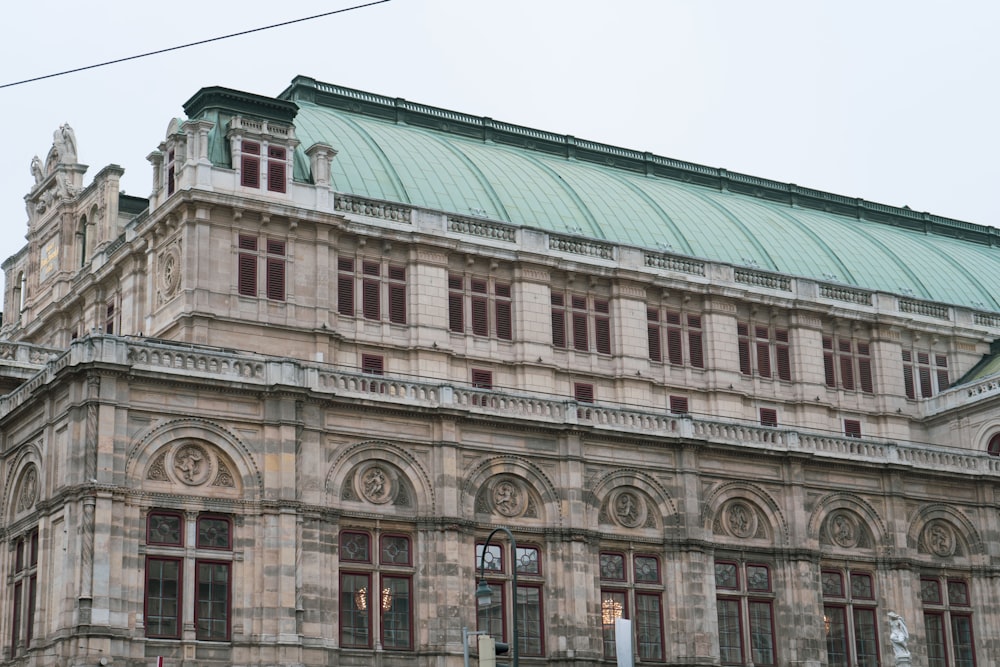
(889,100)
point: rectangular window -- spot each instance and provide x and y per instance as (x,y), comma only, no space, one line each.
(495,618)
(171,172)
(924,374)
(767,351)
(683,337)
(248,260)
(23,578)
(486,300)
(482,379)
(849,615)
(373,283)
(583,392)
(745,591)
(679,405)
(373,364)
(852,428)
(210,592)
(947,622)
(848,364)
(586,323)
(376,595)
(631,588)
(397,612)
(768,417)
(355,610)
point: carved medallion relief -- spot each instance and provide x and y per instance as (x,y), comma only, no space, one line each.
(193,464)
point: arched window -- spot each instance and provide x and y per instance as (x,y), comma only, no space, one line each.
(993,448)
(81,235)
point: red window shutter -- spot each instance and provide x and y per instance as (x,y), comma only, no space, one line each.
(482,379)
(852,428)
(764,359)
(370,303)
(768,417)
(926,391)
(941,361)
(275,247)
(584,393)
(653,337)
(865,375)
(250,171)
(247,242)
(675,352)
(502,290)
(505,326)
(345,294)
(109,320)
(761,332)
(744,345)
(397,273)
(480,316)
(397,303)
(673,318)
(276,169)
(580,341)
(847,372)
(477,285)
(558,321)
(250,148)
(558,327)
(694,321)
(679,405)
(908,381)
(579,302)
(602,332)
(246,280)
(170,180)
(371,268)
(923,358)
(372,363)
(456,314)
(695,349)
(275,279)
(784,362)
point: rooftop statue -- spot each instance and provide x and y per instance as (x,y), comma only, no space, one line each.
(36,170)
(898,636)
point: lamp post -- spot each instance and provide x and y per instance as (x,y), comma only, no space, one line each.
(484,595)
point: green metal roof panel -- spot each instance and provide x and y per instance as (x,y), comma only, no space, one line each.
(464,165)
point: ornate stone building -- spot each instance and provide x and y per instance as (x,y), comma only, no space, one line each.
(269,415)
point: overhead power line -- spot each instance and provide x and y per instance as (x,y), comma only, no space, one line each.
(198,43)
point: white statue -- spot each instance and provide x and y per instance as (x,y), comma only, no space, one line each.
(36,170)
(898,635)
(64,141)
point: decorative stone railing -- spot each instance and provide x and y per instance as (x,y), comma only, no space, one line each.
(986,319)
(674,263)
(374,209)
(762,279)
(581,246)
(161,359)
(838,293)
(923,308)
(494,231)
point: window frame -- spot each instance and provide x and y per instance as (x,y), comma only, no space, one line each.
(747,597)
(581,322)
(851,606)
(258,256)
(376,290)
(945,607)
(487,301)
(925,373)
(375,568)
(764,350)
(198,555)
(675,337)
(631,589)
(502,613)
(23,583)
(848,364)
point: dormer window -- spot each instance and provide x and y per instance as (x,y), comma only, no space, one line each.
(275,166)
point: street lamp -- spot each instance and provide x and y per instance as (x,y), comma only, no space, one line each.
(484,596)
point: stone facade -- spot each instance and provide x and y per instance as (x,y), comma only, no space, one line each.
(221,475)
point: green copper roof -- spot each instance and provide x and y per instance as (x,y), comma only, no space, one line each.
(403,152)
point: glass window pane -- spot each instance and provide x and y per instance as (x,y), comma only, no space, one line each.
(162,597)
(396,550)
(613,566)
(491,560)
(726,576)
(527,560)
(647,570)
(862,587)
(489,619)
(648,626)
(528,611)
(164,529)
(835,621)
(961,637)
(833,584)
(730,637)
(958,593)
(355,547)
(930,591)
(758,578)
(761,633)
(865,634)
(355,590)
(934,632)
(396,613)
(213,533)
(212,609)
(612,607)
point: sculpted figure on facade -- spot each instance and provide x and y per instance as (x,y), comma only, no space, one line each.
(740,520)
(898,636)
(29,490)
(843,530)
(508,498)
(36,170)
(940,540)
(376,486)
(64,141)
(189,462)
